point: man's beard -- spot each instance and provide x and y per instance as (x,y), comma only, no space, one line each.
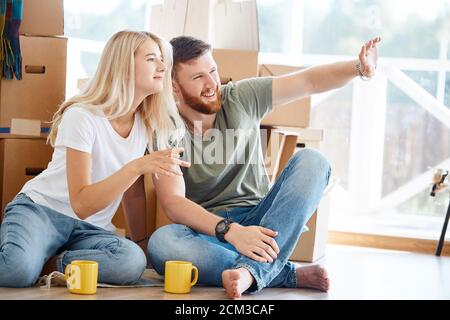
(197,104)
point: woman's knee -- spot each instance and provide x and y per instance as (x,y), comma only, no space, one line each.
(19,269)
(129,264)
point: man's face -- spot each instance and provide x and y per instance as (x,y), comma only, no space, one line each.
(197,84)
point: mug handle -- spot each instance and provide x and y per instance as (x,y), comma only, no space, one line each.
(195,276)
(72,276)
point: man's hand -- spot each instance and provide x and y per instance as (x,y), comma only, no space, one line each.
(255,242)
(368,57)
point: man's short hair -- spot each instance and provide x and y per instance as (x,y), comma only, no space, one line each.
(186,48)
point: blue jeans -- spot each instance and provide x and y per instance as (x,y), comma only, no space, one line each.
(30,234)
(286,208)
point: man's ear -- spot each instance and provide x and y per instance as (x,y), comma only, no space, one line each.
(175,87)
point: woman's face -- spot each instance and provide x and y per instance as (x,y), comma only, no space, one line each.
(149,68)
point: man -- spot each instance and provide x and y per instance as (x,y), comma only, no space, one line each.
(228,223)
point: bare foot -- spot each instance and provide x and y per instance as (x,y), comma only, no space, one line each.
(236,281)
(314,276)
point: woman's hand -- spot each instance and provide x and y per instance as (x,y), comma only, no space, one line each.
(165,162)
(255,242)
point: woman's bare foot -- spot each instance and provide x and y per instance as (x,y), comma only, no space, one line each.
(236,281)
(314,276)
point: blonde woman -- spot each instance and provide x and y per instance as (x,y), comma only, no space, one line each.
(99,139)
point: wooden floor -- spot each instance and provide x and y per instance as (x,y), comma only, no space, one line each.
(356,273)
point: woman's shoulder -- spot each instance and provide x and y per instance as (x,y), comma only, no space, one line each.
(80,111)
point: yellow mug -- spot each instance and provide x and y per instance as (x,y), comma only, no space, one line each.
(81,276)
(178,275)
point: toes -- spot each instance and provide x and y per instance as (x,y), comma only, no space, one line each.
(323,273)
(236,294)
(233,293)
(326,285)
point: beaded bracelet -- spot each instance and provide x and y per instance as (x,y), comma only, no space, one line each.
(360,74)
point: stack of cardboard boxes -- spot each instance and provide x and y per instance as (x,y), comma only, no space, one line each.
(27,105)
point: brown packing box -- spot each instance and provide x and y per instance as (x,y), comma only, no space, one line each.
(294,114)
(43,83)
(311,245)
(42,18)
(119,219)
(21,159)
(236,64)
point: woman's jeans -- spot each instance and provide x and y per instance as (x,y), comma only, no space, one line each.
(286,208)
(30,234)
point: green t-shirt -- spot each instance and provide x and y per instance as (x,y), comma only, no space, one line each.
(227,165)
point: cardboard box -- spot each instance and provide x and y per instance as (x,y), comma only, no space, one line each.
(312,244)
(43,85)
(236,64)
(17,166)
(119,219)
(174,18)
(224,24)
(42,18)
(294,114)
(235,25)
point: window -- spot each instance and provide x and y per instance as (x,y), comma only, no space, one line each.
(382,152)
(89,24)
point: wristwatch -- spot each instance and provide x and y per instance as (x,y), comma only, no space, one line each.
(222,228)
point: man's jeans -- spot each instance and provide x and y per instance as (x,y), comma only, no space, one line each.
(286,208)
(30,234)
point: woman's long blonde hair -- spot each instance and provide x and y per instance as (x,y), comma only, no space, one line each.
(111,91)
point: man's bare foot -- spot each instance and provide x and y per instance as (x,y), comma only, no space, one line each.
(314,276)
(236,281)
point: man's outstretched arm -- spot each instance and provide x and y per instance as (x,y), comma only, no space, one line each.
(293,86)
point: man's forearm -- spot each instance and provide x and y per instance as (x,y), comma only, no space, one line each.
(301,84)
(332,76)
(184,211)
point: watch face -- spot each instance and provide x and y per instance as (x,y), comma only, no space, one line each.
(221,226)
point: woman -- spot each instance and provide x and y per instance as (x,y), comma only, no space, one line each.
(99,139)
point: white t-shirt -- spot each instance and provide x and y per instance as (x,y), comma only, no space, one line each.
(82,130)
